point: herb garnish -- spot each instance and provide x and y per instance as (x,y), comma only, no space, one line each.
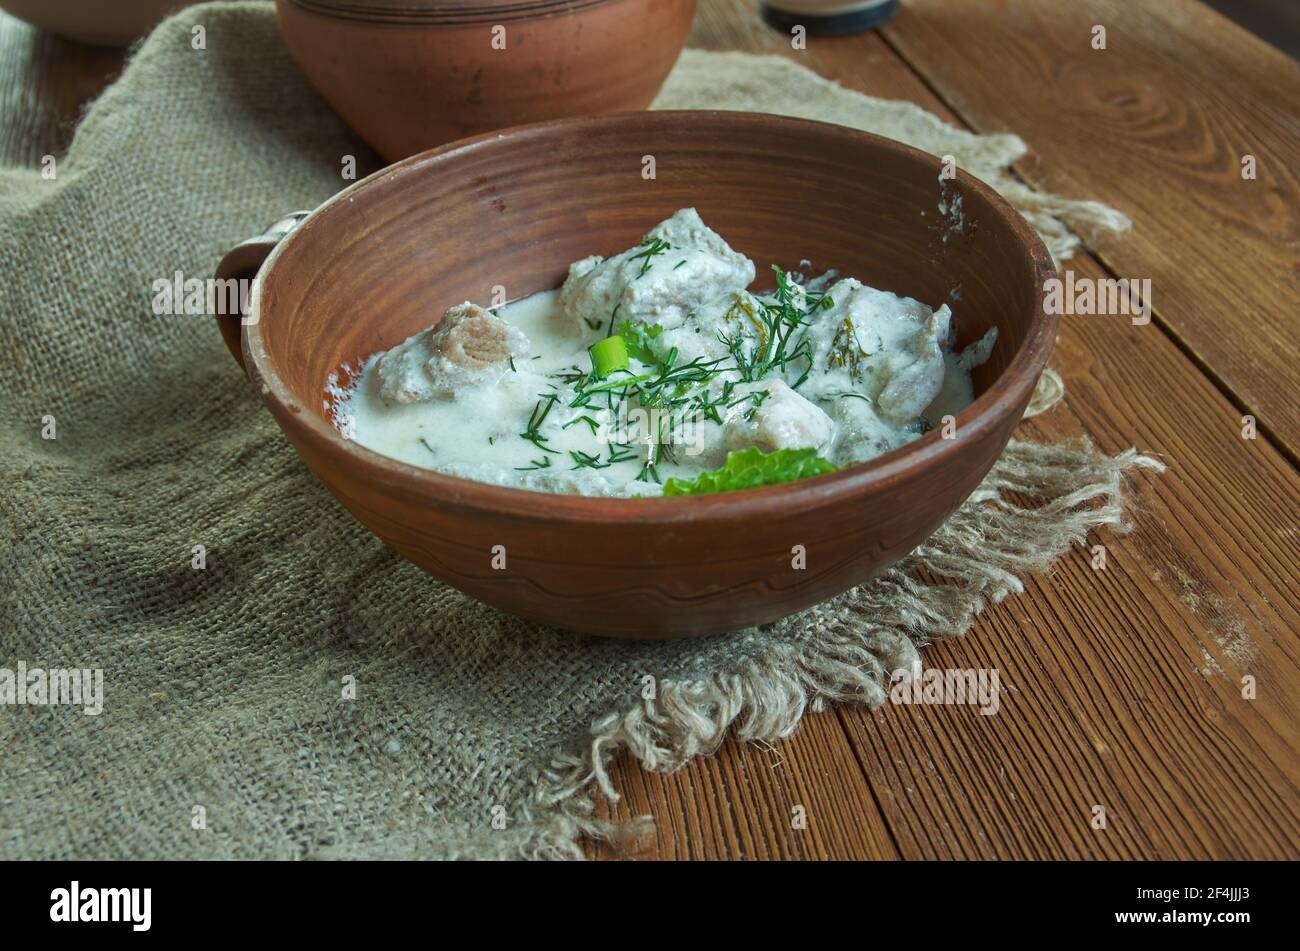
(533,432)
(639,339)
(618,452)
(781,341)
(652,247)
(595,426)
(542,463)
(778,343)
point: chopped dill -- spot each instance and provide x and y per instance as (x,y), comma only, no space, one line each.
(776,341)
(621,452)
(570,375)
(618,452)
(652,247)
(781,339)
(594,426)
(542,463)
(585,460)
(540,412)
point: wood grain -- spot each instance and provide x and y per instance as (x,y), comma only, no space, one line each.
(740,804)
(1157,125)
(1122,687)
(45,81)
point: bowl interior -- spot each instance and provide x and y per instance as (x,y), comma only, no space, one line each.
(507,213)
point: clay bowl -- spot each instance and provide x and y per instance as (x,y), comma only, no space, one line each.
(385,257)
(410,75)
(93,21)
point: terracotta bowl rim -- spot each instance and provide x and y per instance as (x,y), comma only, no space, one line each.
(1004,397)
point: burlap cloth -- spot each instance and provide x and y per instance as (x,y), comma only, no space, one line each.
(223,687)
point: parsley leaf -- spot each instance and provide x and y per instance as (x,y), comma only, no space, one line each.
(640,339)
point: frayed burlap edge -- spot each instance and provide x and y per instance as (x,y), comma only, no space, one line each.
(981,552)
(773,84)
(874,629)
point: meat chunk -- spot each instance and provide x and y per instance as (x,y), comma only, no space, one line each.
(886,348)
(680,265)
(468,347)
(703,337)
(776,418)
(913,373)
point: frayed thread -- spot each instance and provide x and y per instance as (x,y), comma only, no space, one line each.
(773,84)
(1036,503)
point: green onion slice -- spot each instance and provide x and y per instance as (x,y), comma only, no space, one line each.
(608,356)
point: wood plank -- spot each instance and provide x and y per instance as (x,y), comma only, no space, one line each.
(1123,691)
(45,82)
(739,804)
(1125,686)
(735,806)
(1156,125)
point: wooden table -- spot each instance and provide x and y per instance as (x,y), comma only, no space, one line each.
(1166,687)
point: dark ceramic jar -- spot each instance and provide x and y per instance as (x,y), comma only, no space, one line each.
(828,17)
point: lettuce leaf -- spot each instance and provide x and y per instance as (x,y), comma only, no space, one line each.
(751,468)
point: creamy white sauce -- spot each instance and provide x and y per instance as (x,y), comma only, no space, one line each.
(476,435)
(462,400)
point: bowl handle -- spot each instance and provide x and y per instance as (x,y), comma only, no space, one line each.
(242,264)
